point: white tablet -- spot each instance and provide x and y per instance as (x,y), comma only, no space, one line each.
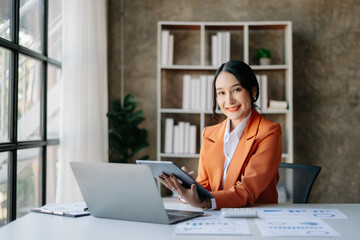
(169,168)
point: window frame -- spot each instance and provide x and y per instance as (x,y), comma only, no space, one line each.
(14,145)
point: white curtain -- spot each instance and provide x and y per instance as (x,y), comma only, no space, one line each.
(83,124)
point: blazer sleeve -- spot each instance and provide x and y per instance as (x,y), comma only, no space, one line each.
(258,172)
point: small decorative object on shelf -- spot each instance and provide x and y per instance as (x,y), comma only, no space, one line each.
(264,56)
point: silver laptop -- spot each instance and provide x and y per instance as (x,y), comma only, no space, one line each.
(125,192)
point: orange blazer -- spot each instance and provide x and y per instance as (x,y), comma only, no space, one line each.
(254,169)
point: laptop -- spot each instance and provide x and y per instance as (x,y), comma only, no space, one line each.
(124,192)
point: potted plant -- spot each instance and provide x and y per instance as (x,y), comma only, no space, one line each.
(264,56)
(125,137)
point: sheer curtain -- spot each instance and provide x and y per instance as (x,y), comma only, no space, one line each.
(83,124)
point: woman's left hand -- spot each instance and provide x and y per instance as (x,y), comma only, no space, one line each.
(189,195)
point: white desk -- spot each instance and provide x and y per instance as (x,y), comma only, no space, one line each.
(44,227)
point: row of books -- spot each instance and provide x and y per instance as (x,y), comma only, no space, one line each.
(167,48)
(179,138)
(197,92)
(263,103)
(220,48)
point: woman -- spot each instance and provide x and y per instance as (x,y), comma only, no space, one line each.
(239,157)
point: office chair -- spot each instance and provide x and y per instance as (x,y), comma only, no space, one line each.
(296,181)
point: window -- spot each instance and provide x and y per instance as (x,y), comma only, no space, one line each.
(30,83)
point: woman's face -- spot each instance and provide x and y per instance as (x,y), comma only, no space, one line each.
(233,99)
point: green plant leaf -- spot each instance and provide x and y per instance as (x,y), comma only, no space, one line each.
(125,136)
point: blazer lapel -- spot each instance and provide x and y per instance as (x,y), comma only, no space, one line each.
(242,150)
(217,156)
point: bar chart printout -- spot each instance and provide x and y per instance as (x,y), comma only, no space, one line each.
(311,227)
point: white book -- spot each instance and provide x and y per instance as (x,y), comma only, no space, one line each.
(171,50)
(223,46)
(195,94)
(220,52)
(192,139)
(198,93)
(258,101)
(214,51)
(176,139)
(186,92)
(187,138)
(181,136)
(203,91)
(169,135)
(192,94)
(164,47)
(281,105)
(227,46)
(209,93)
(264,92)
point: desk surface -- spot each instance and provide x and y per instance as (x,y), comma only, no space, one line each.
(42,226)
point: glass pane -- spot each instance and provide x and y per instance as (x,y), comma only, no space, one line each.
(30,24)
(4,94)
(54,30)
(5,15)
(53,101)
(29,99)
(28,181)
(4,178)
(52,172)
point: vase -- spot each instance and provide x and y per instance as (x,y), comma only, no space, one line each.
(265,61)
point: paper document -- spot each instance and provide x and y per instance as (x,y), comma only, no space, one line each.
(213,226)
(311,227)
(300,213)
(64,209)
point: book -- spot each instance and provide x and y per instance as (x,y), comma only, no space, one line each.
(164,47)
(187,138)
(209,92)
(192,140)
(226,46)
(278,105)
(214,53)
(186,101)
(203,91)
(264,92)
(195,94)
(181,137)
(258,101)
(171,50)
(176,140)
(78,209)
(219,49)
(169,135)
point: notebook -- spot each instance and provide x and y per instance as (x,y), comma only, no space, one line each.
(125,192)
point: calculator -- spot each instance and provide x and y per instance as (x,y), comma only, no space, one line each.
(238,212)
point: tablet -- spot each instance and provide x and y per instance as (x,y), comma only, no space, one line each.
(168,168)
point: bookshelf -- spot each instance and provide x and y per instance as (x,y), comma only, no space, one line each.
(191,51)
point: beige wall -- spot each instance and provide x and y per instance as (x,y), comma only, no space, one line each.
(326,75)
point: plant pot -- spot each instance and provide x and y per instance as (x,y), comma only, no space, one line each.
(265,61)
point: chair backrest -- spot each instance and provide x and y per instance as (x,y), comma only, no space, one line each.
(297,180)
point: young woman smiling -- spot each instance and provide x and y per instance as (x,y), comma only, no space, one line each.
(240,156)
